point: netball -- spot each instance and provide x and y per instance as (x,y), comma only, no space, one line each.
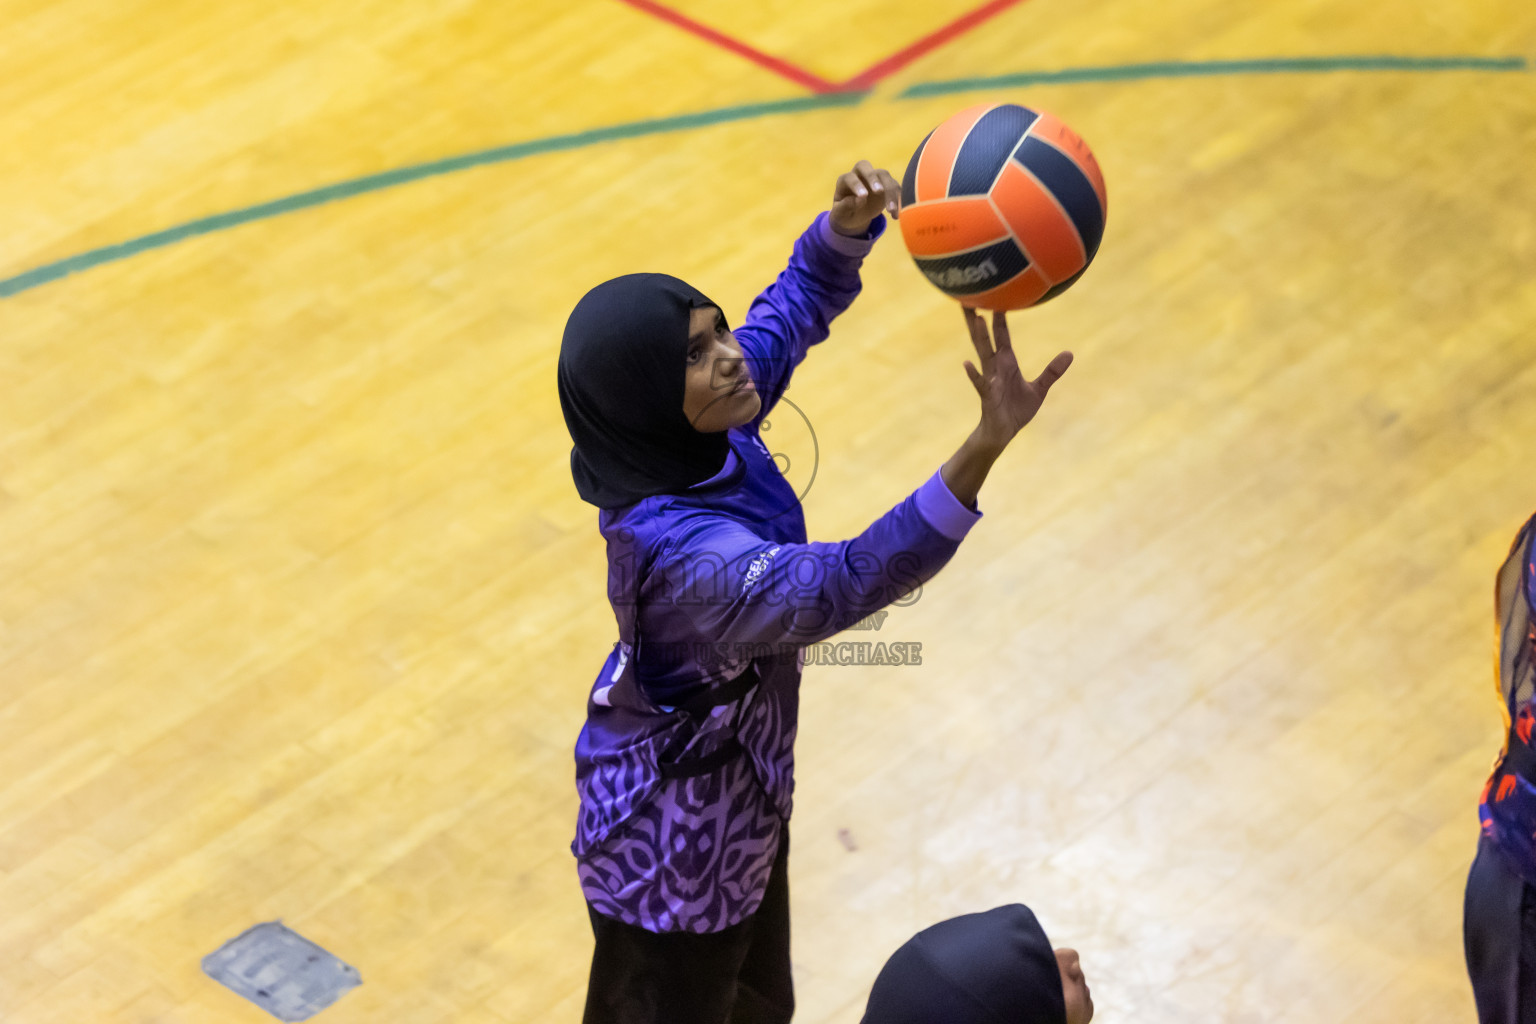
(1003,207)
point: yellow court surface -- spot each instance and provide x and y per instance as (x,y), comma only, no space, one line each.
(299,608)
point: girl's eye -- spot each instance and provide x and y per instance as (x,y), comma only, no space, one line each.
(694,355)
(720,327)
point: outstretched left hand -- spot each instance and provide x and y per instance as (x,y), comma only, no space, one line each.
(860,196)
(1008,400)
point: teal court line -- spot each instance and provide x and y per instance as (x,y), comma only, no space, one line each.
(685,122)
(1207,68)
(415,172)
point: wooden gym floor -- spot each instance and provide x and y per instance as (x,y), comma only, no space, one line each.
(299,609)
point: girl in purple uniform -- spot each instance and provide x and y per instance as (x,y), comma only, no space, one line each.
(685,764)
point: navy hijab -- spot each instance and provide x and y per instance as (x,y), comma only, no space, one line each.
(623,362)
(992,968)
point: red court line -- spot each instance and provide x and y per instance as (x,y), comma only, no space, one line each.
(900,59)
(782,67)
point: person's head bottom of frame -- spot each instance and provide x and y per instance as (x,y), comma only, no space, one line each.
(995,967)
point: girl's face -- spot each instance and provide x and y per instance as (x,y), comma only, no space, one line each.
(719,393)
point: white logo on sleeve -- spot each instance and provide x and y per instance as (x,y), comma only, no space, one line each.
(757,568)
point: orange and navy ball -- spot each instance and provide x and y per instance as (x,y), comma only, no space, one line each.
(1002,207)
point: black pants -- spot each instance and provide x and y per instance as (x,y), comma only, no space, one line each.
(1499,928)
(736,976)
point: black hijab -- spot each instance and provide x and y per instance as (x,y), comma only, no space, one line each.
(992,968)
(623,362)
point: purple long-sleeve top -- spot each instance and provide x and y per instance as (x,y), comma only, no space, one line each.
(685,765)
